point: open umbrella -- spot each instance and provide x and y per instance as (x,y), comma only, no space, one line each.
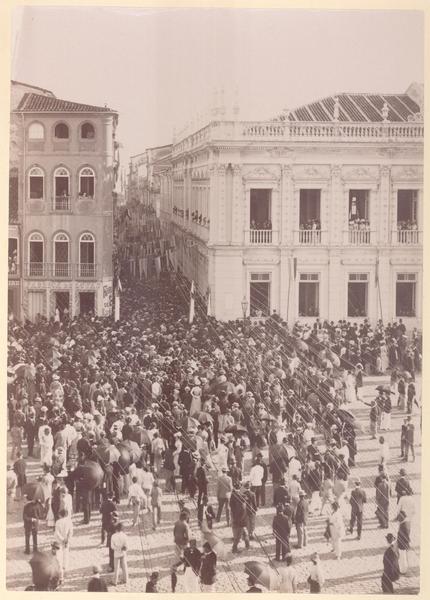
(203,417)
(216,543)
(238,429)
(263,574)
(192,424)
(133,449)
(46,571)
(24,370)
(34,491)
(108,454)
(90,474)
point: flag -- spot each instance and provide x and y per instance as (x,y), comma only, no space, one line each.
(377,272)
(208,308)
(191,316)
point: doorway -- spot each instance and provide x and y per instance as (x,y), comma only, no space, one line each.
(86,302)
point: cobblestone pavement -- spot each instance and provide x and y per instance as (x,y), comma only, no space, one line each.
(358,571)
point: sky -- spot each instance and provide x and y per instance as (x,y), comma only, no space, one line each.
(159,67)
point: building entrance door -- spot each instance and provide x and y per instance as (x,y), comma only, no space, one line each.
(259,293)
(62,300)
(36,304)
(86,302)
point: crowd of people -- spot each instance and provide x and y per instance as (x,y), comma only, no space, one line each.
(169,407)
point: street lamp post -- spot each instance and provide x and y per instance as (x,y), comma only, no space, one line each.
(244,304)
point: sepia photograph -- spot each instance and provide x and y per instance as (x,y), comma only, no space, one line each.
(215,300)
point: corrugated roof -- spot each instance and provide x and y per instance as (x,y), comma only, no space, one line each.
(37,103)
(356,108)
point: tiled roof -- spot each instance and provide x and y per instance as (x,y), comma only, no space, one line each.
(39,103)
(356,108)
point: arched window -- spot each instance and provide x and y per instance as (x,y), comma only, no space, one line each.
(36,132)
(61,131)
(86,182)
(36,252)
(87,267)
(61,255)
(62,189)
(87,131)
(35,183)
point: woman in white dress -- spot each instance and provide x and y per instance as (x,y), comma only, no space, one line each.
(46,445)
(350,393)
(337,529)
(384,357)
(196,400)
(177,451)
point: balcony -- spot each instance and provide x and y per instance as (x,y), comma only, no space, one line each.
(359,237)
(62,204)
(261,237)
(407,237)
(86,271)
(64,271)
(309,237)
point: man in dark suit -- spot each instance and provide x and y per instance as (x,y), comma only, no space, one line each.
(409,439)
(30,429)
(403,485)
(391,571)
(281,530)
(97,583)
(301,518)
(357,501)
(32,513)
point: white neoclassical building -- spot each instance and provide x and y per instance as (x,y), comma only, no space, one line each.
(318,212)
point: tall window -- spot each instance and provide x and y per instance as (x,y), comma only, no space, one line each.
(87,131)
(260,209)
(62,188)
(358,206)
(406,295)
(35,183)
(61,131)
(36,132)
(310,209)
(86,255)
(309,295)
(86,182)
(357,294)
(61,255)
(36,254)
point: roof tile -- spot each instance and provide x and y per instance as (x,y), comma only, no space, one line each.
(38,103)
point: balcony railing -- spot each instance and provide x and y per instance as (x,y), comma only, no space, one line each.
(408,237)
(359,237)
(309,237)
(86,271)
(36,269)
(62,204)
(261,237)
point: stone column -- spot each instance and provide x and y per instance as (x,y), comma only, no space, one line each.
(336,212)
(237,206)
(383,205)
(222,209)
(286,201)
(213,204)
(336,287)
(284,282)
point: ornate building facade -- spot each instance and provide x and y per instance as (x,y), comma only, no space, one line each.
(316,213)
(64,161)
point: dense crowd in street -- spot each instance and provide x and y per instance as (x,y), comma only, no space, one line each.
(122,414)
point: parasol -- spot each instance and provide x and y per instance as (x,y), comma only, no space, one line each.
(263,574)
(34,491)
(46,571)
